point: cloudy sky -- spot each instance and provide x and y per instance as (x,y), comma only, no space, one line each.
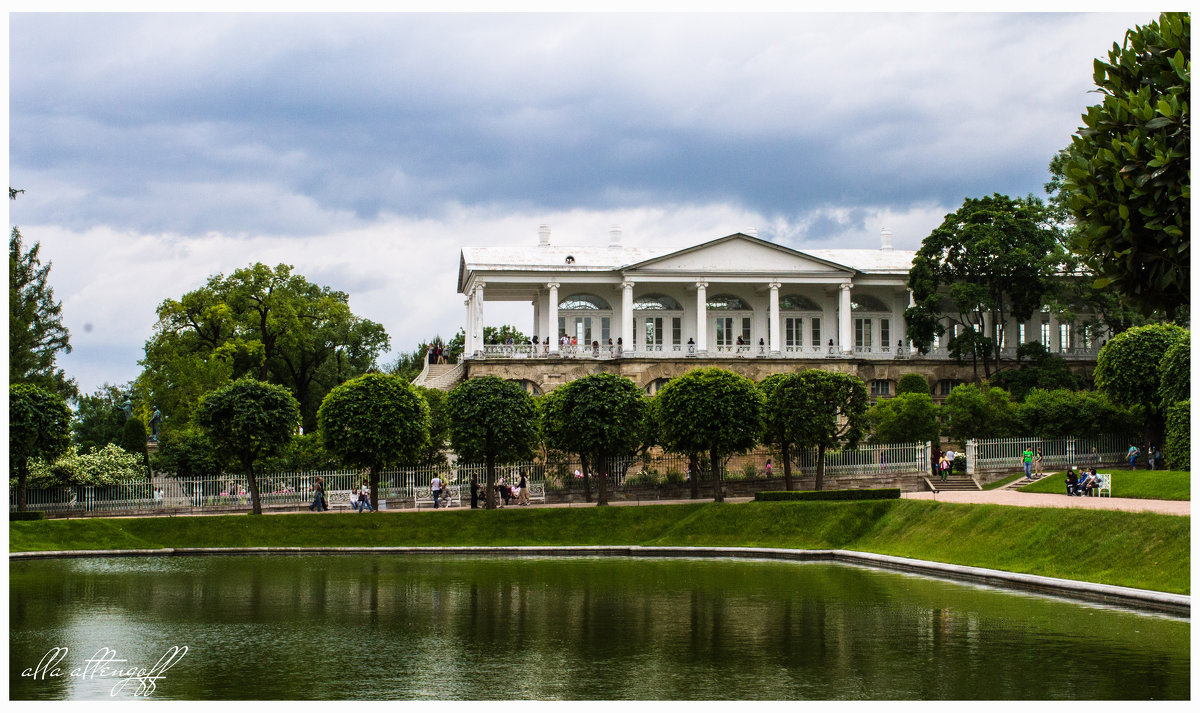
(365,149)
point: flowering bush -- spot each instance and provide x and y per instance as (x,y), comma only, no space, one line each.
(108,466)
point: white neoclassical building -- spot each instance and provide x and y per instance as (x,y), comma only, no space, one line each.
(735,297)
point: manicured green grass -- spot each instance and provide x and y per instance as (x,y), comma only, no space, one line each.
(1004,481)
(1143,550)
(1148,484)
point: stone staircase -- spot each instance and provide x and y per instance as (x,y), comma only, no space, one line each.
(440,376)
(954,482)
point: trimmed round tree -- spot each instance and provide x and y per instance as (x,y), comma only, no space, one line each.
(39,426)
(1127,369)
(491,420)
(602,415)
(248,420)
(133,440)
(374,421)
(831,412)
(912,383)
(910,417)
(779,421)
(712,411)
(1175,372)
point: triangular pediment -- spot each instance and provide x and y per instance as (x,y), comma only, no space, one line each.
(737,253)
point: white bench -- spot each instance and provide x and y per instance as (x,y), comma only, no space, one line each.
(1105,487)
(450,497)
(537,491)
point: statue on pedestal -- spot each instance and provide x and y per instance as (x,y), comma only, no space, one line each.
(155,422)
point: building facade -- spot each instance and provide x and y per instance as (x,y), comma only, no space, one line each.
(736,301)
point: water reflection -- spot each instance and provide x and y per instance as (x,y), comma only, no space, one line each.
(379,627)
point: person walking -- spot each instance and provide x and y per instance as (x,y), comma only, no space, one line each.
(1037,462)
(318,489)
(1150,452)
(435,487)
(1132,455)
(950,459)
(944,466)
(523,487)
(1027,460)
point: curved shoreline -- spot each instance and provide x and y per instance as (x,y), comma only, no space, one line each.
(1178,604)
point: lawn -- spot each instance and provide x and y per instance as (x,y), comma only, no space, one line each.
(1147,484)
(1144,550)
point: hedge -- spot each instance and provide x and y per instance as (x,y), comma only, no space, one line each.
(866,494)
(27,515)
(1179,438)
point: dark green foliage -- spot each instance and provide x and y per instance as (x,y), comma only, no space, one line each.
(601,416)
(249,419)
(912,384)
(39,426)
(35,330)
(713,411)
(304,452)
(1062,412)
(826,410)
(375,421)
(908,418)
(133,440)
(1037,369)
(27,515)
(98,419)
(439,427)
(189,454)
(865,494)
(491,420)
(1127,170)
(1179,435)
(1127,370)
(995,257)
(779,417)
(1175,372)
(972,412)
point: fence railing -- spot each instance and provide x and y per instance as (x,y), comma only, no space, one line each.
(997,453)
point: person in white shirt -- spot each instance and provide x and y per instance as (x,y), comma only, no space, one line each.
(950,458)
(435,487)
(364,498)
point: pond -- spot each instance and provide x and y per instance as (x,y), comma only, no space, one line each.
(486,628)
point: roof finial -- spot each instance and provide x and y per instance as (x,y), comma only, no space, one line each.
(614,236)
(543,234)
(885,239)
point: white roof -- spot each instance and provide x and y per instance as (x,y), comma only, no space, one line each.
(869,260)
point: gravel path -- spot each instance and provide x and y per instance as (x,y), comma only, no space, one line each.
(1048,500)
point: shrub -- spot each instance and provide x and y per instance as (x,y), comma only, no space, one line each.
(867,494)
(749,471)
(675,476)
(642,478)
(912,384)
(973,412)
(27,515)
(960,464)
(108,466)
(908,418)
(1179,439)
(1175,372)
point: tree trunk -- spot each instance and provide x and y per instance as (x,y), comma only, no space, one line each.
(255,503)
(694,474)
(22,478)
(787,466)
(718,490)
(820,485)
(587,480)
(602,473)
(373,482)
(490,494)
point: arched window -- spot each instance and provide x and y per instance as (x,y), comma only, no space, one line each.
(528,386)
(662,302)
(868,303)
(653,387)
(728,302)
(797,303)
(583,301)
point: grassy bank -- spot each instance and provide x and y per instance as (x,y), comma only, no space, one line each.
(1148,484)
(1143,550)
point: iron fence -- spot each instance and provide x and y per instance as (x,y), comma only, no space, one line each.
(1000,453)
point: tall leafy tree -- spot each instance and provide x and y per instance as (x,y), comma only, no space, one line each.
(247,420)
(779,422)
(908,418)
(1175,372)
(491,420)
(712,411)
(98,419)
(601,415)
(439,427)
(39,426)
(832,412)
(259,321)
(1127,369)
(1127,171)
(374,421)
(974,412)
(992,259)
(36,333)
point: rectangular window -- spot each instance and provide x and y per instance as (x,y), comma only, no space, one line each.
(881,387)
(1020,334)
(676,331)
(725,337)
(746,329)
(1045,335)
(816,331)
(605,329)
(862,334)
(885,332)
(1064,336)
(794,336)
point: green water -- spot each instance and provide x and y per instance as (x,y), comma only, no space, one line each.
(461,628)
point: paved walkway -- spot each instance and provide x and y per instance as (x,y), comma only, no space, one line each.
(1004,496)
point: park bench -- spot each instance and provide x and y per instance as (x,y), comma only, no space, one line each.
(336,499)
(451,496)
(1105,487)
(537,491)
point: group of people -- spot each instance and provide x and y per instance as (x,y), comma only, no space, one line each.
(942,462)
(1033,460)
(1081,482)
(1153,456)
(360,499)
(518,492)
(437,353)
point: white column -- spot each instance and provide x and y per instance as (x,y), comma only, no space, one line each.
(775,326)
(701,317)
(552,325)
(537,321)
(469,330)
(478,325)
(904,324)
(627,316)
(1054,346)
(845,328)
